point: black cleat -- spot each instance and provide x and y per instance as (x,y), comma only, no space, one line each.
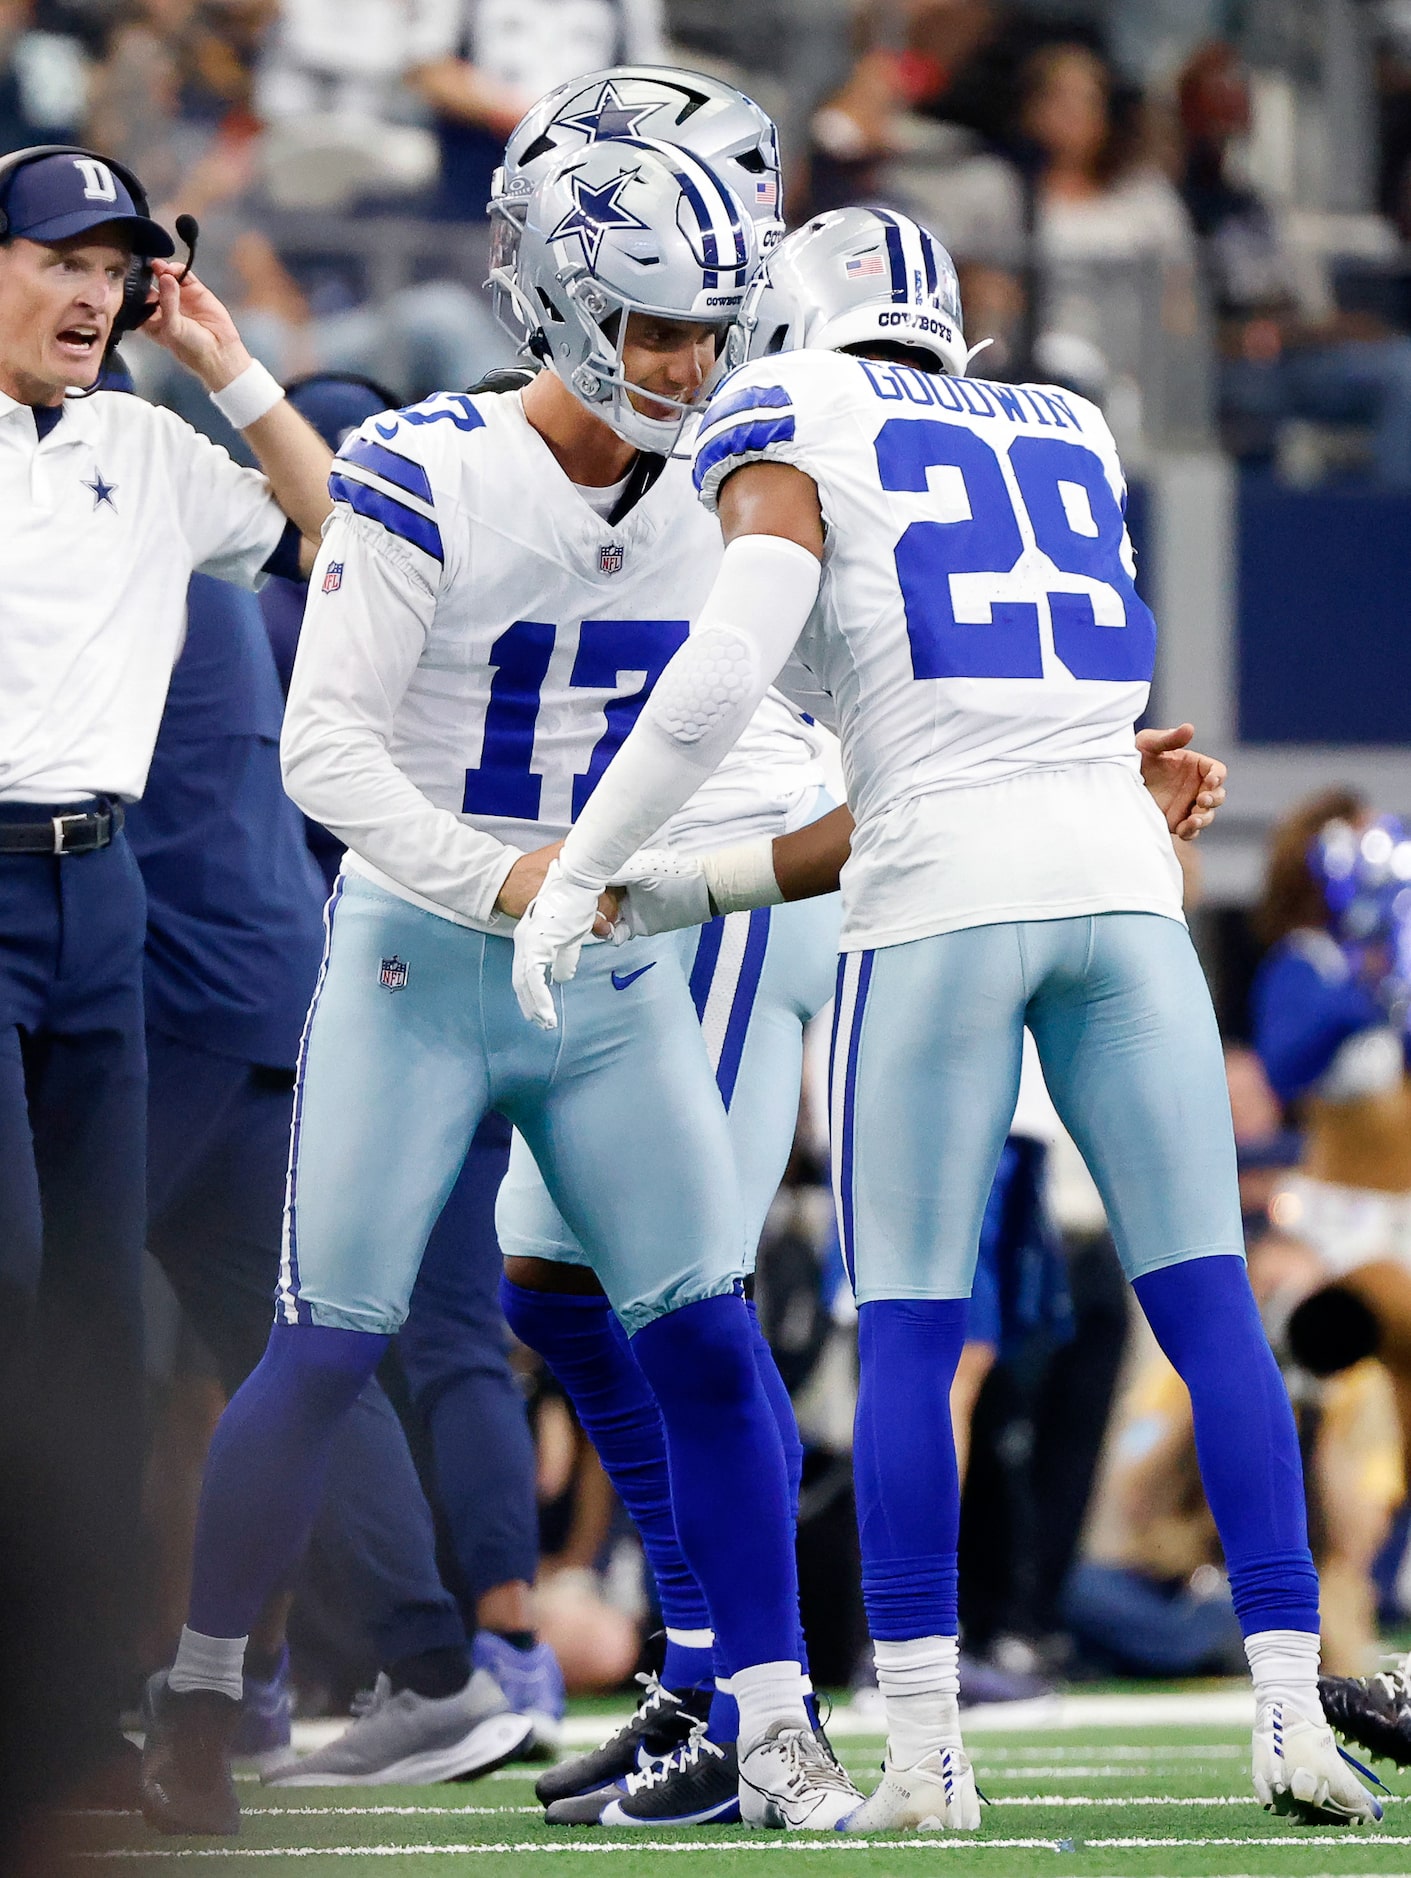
(1374,1712)
(186,1783)
(663,1719)
(698,1785)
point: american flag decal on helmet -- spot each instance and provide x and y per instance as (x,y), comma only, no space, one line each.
(611,557)
(393,974)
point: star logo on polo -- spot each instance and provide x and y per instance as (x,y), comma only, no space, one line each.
(610,116)
(594,212)
(102,492)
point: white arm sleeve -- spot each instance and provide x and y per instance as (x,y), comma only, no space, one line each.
(751,621)
(359,647)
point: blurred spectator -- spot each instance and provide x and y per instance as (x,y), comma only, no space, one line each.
(1329,1006)
(862,124)
(172,71)
(1148,1597)
(494,58)
(1069,237)
(430,335)
(1286,350)
(43,80)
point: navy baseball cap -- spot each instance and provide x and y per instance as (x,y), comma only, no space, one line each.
(57,197)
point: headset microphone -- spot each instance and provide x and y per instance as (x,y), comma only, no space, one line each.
(188,232)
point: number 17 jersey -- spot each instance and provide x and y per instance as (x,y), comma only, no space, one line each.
(980,635)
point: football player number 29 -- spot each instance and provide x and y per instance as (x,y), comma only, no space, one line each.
(1081,538)
(504,782)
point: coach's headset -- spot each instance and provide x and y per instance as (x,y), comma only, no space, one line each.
(138,300)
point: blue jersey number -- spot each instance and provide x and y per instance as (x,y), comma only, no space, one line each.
(989,541)
(504,782)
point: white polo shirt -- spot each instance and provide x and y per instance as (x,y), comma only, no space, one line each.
(101,523)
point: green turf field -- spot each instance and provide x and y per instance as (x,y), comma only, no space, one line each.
(1170,1802)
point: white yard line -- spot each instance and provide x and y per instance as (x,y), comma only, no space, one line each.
(1231,1705)
(783,1843)
(954,1843)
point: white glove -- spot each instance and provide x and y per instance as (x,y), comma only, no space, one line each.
(547,942)
(660,892)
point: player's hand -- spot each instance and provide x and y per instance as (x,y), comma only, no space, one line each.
(195,328)
(1187,787)
(547,942)
(660,892)
(525,879)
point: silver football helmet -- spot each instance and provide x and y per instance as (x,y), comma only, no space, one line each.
(660,102)
(620,227)
(853,275)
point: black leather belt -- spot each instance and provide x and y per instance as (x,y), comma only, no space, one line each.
(62,831)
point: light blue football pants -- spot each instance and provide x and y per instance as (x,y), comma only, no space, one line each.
(414,1033)
(925,1070)
(756,979)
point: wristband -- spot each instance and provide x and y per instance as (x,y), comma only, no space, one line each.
(742,877)
(248,398)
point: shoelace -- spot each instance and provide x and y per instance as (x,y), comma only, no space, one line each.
(809,1767)
(367,1701)
(690,1753)
(654,1700)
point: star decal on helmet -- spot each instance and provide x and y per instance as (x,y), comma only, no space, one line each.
(611,116)
(594,212)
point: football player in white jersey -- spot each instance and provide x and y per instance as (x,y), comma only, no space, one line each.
(756,979)
(948,560)
(502,580)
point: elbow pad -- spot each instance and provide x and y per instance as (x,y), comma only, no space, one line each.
(705,684)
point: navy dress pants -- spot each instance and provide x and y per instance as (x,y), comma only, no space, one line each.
(72,1179)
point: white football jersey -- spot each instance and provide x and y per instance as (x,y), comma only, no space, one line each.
(978,632)
(480,633)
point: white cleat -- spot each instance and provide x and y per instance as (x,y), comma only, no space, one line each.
(1299,1773)
(788,1781)
(938,1793)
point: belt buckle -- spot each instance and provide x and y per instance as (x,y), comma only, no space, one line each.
(58,824)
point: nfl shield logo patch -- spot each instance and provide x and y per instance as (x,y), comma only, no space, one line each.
(333,577)
(610,558)
(393,974)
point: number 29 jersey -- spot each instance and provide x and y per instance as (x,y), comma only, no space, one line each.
(979,633)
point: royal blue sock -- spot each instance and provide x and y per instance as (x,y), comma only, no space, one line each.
(591,1359)
(908,1489)
(265,1470)
(1204,1316)
(729,1484)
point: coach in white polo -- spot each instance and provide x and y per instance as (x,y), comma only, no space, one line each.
(107,504)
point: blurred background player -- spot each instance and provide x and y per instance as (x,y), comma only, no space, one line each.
(978,912)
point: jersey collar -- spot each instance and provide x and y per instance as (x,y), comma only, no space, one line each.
(73,427)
